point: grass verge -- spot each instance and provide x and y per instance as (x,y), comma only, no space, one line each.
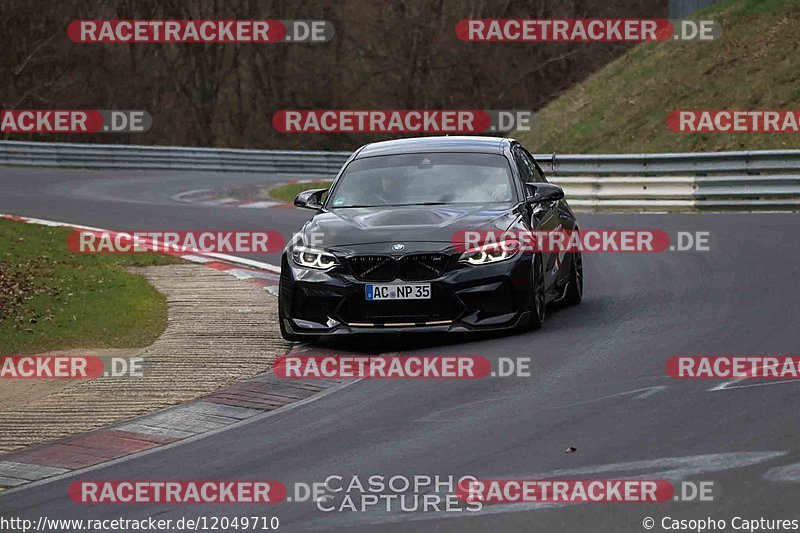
(52,299)
(287,192)
(623,107)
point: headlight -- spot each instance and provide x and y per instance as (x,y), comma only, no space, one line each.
(490,253)
(311,258)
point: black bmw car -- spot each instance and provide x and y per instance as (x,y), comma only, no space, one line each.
(379,254)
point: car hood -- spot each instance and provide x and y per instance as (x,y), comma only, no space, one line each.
(363,229)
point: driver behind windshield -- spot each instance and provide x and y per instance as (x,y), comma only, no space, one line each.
(388,190)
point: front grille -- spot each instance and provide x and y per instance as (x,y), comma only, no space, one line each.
(416,267)
(421,267)
(373,267)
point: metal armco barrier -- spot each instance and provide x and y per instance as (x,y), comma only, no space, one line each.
(67,155)
(745,181)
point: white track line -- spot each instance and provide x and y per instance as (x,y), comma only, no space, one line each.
(189,256)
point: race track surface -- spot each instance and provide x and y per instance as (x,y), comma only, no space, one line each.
(598,381)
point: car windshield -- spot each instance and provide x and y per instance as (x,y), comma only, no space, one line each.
(424,179)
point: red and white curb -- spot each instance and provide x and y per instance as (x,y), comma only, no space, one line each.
(226,407)
(261,274)
(229,406)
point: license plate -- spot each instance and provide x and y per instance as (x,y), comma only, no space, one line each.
(405,291)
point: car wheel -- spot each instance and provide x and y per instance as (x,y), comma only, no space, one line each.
(538,305)
(574,293)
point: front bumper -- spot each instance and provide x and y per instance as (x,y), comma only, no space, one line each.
(464,298)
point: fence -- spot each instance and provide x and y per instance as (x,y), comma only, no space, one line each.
(663,182)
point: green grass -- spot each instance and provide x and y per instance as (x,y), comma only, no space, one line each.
(53,299)
(623,107)
(286,193)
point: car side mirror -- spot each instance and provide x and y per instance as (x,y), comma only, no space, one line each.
(311,199)
(543,192)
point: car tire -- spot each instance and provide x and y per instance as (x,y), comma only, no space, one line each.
(538,301)
(574,293)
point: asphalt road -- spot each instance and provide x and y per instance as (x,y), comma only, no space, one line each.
(597,382)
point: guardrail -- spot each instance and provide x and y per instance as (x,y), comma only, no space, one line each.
(66,155)
(753,180)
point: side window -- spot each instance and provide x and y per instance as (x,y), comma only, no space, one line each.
(525,169)
(538,175)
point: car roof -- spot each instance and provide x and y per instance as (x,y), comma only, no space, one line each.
(456,143)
